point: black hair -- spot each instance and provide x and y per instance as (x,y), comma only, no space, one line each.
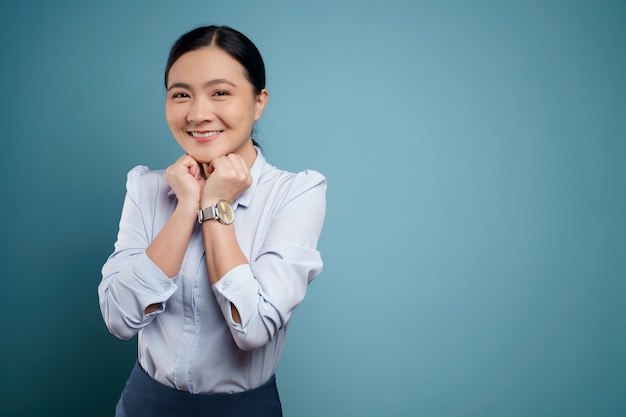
(231,41)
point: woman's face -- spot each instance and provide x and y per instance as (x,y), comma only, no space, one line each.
(211,106)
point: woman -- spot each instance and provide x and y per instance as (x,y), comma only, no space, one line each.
(214,253)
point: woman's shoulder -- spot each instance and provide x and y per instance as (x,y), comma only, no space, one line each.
(293,184)
(145,179)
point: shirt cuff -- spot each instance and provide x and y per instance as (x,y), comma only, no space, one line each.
(234,288)
(147,271)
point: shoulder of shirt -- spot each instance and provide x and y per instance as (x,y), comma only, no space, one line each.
(295,182)
(142,177)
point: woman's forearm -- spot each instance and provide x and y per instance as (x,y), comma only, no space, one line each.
(168,248)
(223,253)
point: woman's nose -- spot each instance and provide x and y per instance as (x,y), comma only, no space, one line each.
(200,111)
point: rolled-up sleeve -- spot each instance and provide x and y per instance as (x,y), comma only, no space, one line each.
(130,280)
(266,291)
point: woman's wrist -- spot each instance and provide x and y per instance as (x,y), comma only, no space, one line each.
(188,207)
(209,201)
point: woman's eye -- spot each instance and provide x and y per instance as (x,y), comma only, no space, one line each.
(180,95)
(220,93)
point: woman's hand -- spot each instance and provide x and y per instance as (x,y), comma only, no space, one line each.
(227,177)
(185,178)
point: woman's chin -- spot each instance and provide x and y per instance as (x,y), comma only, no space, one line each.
(201,159)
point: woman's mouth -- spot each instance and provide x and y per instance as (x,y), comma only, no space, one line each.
(204,136)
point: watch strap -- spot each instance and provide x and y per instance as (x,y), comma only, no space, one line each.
(207,213)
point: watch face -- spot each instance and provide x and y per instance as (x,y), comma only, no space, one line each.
(225,212)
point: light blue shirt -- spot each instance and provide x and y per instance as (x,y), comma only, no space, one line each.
(192,343)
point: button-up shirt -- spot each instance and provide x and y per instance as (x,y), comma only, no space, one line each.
(191,342)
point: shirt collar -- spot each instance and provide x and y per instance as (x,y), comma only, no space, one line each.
(255,171)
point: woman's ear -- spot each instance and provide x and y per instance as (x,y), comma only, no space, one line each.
(260,102)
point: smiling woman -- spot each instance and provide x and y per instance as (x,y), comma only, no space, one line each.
(210,98)
(240,48)
(214,253)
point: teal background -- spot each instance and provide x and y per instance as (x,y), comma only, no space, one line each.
(474,241)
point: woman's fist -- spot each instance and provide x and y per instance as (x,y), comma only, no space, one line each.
(227,177)
(185,178)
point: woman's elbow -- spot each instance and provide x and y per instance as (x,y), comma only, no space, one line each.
(117,326)
(249,344)
(250,341)
(122,332)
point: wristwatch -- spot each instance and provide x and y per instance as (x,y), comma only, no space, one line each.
(222,211)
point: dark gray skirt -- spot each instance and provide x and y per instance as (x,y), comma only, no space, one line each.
(146,397)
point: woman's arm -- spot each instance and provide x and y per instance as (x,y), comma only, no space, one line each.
(258,297)
(168,248)
(227,178)
(137,277)
(130,280)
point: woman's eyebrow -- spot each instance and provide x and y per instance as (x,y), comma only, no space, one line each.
(209,83)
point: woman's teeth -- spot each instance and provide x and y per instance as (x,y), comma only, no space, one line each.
(204,134)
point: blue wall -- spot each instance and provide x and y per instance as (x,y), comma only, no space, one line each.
(475,236)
